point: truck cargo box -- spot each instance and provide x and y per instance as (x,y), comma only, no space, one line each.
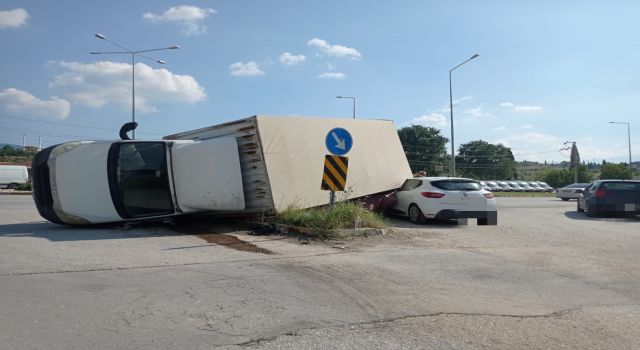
(282,158)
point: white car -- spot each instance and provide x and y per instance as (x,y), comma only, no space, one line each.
(446,198)
(572,191)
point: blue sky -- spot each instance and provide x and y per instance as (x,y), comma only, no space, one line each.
(548,71)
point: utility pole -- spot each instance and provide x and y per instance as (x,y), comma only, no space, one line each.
(39,143)
(24,141)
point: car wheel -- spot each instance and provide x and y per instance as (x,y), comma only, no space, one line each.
(580,210)
(565,199)
(415,214)
(12,186)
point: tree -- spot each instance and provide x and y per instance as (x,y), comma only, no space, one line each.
(485,161)
(561,177)
(424,148)
(615,171)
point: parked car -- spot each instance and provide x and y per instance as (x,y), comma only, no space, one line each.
(11,176)
(516,186)
(572,191)
(446,198)
(535,186)
(545,186)
(485,186)
(505,186)
(494,186)
(610,197)
(525,186)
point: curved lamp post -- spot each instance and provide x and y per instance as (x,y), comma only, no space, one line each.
(133,68)
(453,155)
(354,104)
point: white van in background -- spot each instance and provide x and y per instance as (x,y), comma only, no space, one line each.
(13,175)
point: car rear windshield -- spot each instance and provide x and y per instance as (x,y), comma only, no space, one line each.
(623,186)
(457,185)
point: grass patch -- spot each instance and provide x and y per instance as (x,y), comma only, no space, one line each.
(524,194)
(24,187)
(324,221)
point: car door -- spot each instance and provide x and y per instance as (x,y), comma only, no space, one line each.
(406,194)
(582,200)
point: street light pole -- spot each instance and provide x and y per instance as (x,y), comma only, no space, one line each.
(453,155)
(133,68)
(354,104)
(629,138)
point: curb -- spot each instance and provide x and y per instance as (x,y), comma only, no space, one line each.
(16,193)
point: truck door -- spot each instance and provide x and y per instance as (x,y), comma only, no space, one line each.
(207,175)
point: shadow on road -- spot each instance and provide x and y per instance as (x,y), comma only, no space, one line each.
(166,227)
(399,222)
(574,215)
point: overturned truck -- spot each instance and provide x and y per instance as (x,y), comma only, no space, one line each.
(252,165)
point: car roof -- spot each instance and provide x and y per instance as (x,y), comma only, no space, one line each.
(436,178)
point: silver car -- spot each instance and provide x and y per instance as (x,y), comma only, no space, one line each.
(572,191)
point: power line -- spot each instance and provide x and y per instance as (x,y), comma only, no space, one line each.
(71,125)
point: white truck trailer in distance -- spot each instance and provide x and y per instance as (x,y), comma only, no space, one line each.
(256,164)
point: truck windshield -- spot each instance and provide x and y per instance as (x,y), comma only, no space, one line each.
(138,179)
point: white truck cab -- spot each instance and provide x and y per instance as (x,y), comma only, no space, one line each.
(89,182)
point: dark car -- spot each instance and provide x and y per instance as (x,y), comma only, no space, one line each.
(611,198)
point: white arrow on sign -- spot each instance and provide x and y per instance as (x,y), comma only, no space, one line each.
(340,141)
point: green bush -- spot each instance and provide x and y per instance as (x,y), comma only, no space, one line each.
(324,220)
(24,187)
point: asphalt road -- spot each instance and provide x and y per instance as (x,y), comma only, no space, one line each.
(544,278)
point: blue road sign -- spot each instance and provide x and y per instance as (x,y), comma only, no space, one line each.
(338,141)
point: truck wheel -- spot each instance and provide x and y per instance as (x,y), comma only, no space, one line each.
(415,214)
(565,199)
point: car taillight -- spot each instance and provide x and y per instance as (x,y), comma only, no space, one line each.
(488,195)
(600,193)
(432,194)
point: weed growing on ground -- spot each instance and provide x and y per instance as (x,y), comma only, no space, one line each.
(324,220)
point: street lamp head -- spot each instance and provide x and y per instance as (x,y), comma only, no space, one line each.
(100,36)
(174,47)
(338,96)
(94,52)
(474,56)
(161,61)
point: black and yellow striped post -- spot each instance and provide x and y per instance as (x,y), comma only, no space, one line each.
(334,176)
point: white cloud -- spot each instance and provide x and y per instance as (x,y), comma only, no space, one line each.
(248,69)
(527,126)
(289,60)
(334,50)
(477,112)
(189,17)
(13,18)
(25,104)
(331,75)
(430,119)
(102,83)
(521,108)
(499,128)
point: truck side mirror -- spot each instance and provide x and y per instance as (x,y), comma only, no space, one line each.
(126,128)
